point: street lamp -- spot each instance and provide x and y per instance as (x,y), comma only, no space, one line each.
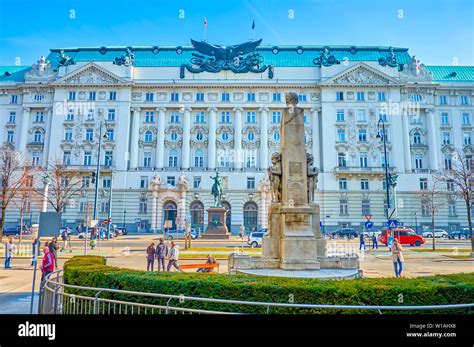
(416,223)
(384,138)
(97,170)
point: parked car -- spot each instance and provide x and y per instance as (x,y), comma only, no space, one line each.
(255,239)
(13,231)
(180,234)
(349,233)
(121,231)
(82,235)
(405,236)
(437,233)
(459,234)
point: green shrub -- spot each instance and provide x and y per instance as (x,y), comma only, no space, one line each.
(92,271)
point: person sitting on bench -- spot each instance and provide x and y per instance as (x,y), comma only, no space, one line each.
(210,260)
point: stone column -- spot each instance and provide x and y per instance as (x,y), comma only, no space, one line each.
(264,138)
(160,139)
(154,220)
(186,138)
(159,212)
(25,126)
(238,138)
(432,139)
(47,139)
(134,138)
(406,142)
(316,131)
(211,149)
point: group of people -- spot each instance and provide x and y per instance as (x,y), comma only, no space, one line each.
(375,243)
(161,251)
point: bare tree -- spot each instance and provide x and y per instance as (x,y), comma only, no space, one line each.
(21,199)
(14,172)
(434,197)
(63,185)
(460,174)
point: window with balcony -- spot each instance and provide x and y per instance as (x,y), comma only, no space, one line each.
(417,138)
(199,158)
(70,115)
(12,118)
(250,159)
(68,133)
(38,137)
(110,134)
(418,162)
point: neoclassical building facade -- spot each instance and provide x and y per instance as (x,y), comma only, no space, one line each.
(172,116)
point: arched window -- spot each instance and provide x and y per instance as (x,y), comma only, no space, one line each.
(173,158)
(416,138)
(197,215)
(38,136)
(148,136)
(198,158)
(250,216)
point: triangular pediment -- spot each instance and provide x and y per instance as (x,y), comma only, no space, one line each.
(91,74)
(361,74)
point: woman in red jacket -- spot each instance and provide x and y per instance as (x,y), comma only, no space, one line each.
(47,266)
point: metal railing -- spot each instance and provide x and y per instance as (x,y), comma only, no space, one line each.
(54,299)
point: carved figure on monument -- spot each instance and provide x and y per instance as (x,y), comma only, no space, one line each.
(312,177)
(64,60)
(216,190)
(183,181)
(274,175)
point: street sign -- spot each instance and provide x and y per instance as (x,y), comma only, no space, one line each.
(369,224)
(368,217)
(49,224)
(392,223)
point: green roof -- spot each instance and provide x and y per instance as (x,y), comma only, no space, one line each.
(447,73)
(163,56)
(13,73)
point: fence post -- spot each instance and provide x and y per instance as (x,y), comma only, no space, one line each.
(96,302)
(168,306)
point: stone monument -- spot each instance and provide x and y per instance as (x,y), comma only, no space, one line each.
(216,215)
(294,241)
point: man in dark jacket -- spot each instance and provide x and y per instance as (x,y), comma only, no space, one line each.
(53,248)
(161,253)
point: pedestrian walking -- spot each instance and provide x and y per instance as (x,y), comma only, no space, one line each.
(10,249)
(53,248)
(375,243)
(161,252)
(397,257)
(173,257)
(66,237)
(150,256)
(47,265)
(362,242)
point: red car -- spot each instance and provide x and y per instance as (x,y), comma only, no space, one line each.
(405,236)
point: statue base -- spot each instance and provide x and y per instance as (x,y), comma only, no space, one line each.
(216,226)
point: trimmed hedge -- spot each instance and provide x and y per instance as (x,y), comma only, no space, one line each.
(92,271)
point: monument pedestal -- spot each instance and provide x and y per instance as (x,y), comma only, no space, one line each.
(216,227)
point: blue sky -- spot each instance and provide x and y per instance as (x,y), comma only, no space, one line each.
(439,32)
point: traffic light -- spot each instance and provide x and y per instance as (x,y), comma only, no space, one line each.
(93,177)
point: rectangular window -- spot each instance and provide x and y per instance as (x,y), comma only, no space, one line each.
(87,158)
(342,184)
(89,134)
(104,207)
(112,96)
(108,157)
(360,96)
(86,180)
(68,134)
(174,96)
(341,160)
(174,117)
(381,96)
(302,97)
(171,180)
(225,117)
(71,96)
(251,118)
(111,114)
(199,96)
(452,209)
(364,184)
(467,138)
(39,117)
(450,185)
(67,158)
(146,159)
(200,118)
(444,118)
(144,182)
(443,100)
(14,99)
(149,117)
(106,183)
(448,162)
(225,97)
(383,117)
(384,161)
(142,207)
(363,160)
(423,184)
(276,97)
(365,207)
(10,136)
(445,137)
(92,95)
(362,135)
(425,209)
(70,115)
(250,159)
(466,119)
(339,96)
(340,116)
(90,114)
(12,118)
(343,210)
(148,96)
(419,162)
(197,182)
(361,116)
(276,117)
(341,135)
(464,100)
(250,182)
(251,97)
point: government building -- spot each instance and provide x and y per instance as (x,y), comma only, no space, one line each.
(169,117)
